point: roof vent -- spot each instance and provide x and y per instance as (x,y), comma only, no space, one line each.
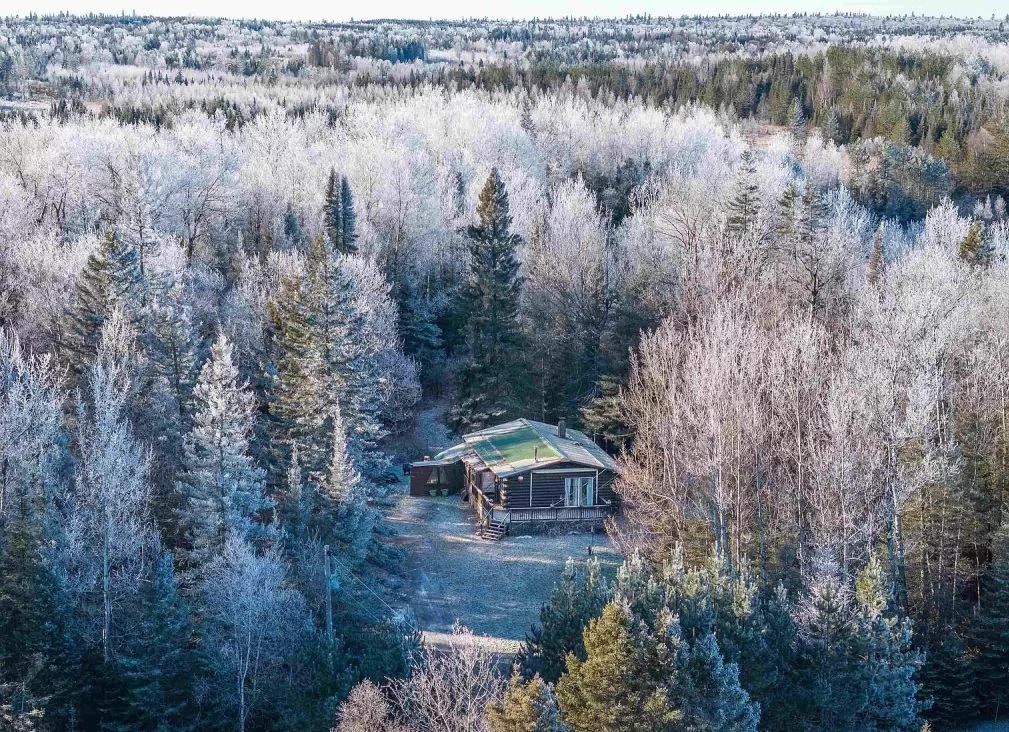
(562,429)
(536,454)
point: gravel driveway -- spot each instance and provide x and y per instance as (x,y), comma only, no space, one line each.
(493,588)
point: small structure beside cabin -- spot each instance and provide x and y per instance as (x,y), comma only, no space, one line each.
(523,472)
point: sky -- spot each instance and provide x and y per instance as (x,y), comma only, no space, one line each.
(455,9)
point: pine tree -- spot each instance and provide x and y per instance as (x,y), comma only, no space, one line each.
(222,489)
(527,706)
(157,664)
(831,126)
(797,121)
(487,383)
(348,231)
(111,279)
(948,679)
(990,630)
(352,378)
(298,398)
(974,249)
(884,657)
(712,697)
(343,479)
(574,602)
(744,207)
(622,685)
(333,210)
(877,263)
(34,656)
(340,220)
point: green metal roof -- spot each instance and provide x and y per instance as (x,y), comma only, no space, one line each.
(523,444)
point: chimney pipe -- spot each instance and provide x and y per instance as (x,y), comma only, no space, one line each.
(562,430)
(536,454)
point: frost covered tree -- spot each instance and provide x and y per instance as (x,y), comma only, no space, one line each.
(222,489)
(254,622)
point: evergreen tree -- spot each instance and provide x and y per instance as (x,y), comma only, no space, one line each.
(527,706)
(157,664)
(34,655)
(343,478)
(340,220)
(712,697)
(348,231)
(948,679)
(877,263)
(883,654)
(797,121)
(333,210)
(624,684)
(990,630)
(486,385)
(974,249)
(222,489)
(744,207)
(298,398)
(575,601)
(111,279)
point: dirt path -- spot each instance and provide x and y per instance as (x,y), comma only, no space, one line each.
(493,588)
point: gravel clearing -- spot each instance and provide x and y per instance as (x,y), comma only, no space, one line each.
(493,588)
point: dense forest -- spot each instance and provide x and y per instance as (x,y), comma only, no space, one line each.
(764,261)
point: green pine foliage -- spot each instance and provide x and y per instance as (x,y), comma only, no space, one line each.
(990,631)
(111,279)
(527,706)
(948,681)
(577,599)
(340,220)
(626,682)
(486,385)
(158,665)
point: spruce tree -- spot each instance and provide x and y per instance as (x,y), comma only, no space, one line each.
(485,388)
(578,598)
(340,220)
(877,263)
(744,207)
(333,210)
(623,685)
(342,479)
(111,279)
(974,249)
(222,488)
(527,706)
(158,665)
(947,678)
(990,630)
(348,231)
(298,398)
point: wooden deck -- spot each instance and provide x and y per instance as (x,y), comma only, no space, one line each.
(559,513)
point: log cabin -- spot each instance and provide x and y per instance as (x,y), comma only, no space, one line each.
(523,472)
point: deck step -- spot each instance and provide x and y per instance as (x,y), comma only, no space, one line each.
(494,531)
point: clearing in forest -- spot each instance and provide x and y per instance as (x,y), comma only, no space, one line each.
(493,588)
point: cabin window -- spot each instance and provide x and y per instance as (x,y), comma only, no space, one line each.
(435,477)
(580,491)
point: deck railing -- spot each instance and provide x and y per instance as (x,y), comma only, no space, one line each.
(559,513)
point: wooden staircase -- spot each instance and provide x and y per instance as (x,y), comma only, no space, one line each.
(493,531)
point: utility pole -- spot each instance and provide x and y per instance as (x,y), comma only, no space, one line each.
(329,593)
